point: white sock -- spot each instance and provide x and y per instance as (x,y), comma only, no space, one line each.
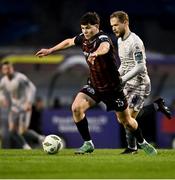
(26,146)
(133,148)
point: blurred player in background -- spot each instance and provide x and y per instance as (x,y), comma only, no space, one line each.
(104,83)
(134,73)
(20,93)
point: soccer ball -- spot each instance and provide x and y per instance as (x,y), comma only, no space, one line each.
(52,144)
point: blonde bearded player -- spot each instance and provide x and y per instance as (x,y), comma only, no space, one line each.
(134,73)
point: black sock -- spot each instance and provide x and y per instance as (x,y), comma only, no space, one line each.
(83,129)
(138,134)
(146,110)
(31,135)
(17,140)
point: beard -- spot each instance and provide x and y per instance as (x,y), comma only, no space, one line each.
(121,34)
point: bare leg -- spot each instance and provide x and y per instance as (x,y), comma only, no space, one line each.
(15,136)
(81,103)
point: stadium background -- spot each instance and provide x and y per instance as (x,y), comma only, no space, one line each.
(28,25)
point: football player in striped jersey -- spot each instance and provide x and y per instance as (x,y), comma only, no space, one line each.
(104,81)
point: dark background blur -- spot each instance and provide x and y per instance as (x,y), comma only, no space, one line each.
(36,22)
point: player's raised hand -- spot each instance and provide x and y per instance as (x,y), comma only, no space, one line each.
(43,52)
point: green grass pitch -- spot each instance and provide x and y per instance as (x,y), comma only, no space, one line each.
(102,163)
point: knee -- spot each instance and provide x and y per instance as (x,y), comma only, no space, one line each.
(76,109)
(12,127)
(128,123)
(131,124)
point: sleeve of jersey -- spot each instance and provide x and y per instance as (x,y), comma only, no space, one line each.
(31,92)
(78,39)
(139,66)
(30,89)
(120,70)
(138,53)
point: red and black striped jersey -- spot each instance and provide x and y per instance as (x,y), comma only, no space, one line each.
(104,75)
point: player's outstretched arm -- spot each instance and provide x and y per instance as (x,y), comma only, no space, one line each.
(62,45)
(102,49)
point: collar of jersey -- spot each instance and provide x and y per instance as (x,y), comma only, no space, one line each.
(94,37)
(126,36)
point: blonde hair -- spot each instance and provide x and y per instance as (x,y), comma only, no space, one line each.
(121,15)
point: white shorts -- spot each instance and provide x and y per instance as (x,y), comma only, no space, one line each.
(136,95)
(20,118)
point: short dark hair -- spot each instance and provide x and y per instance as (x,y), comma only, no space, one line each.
(5,63)
(90,18)
(121,15)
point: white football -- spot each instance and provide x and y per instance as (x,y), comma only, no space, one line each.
(52,144)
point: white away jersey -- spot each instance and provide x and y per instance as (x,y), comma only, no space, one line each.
(131,52)
(18,90)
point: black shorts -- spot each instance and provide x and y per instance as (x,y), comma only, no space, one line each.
(114,100)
